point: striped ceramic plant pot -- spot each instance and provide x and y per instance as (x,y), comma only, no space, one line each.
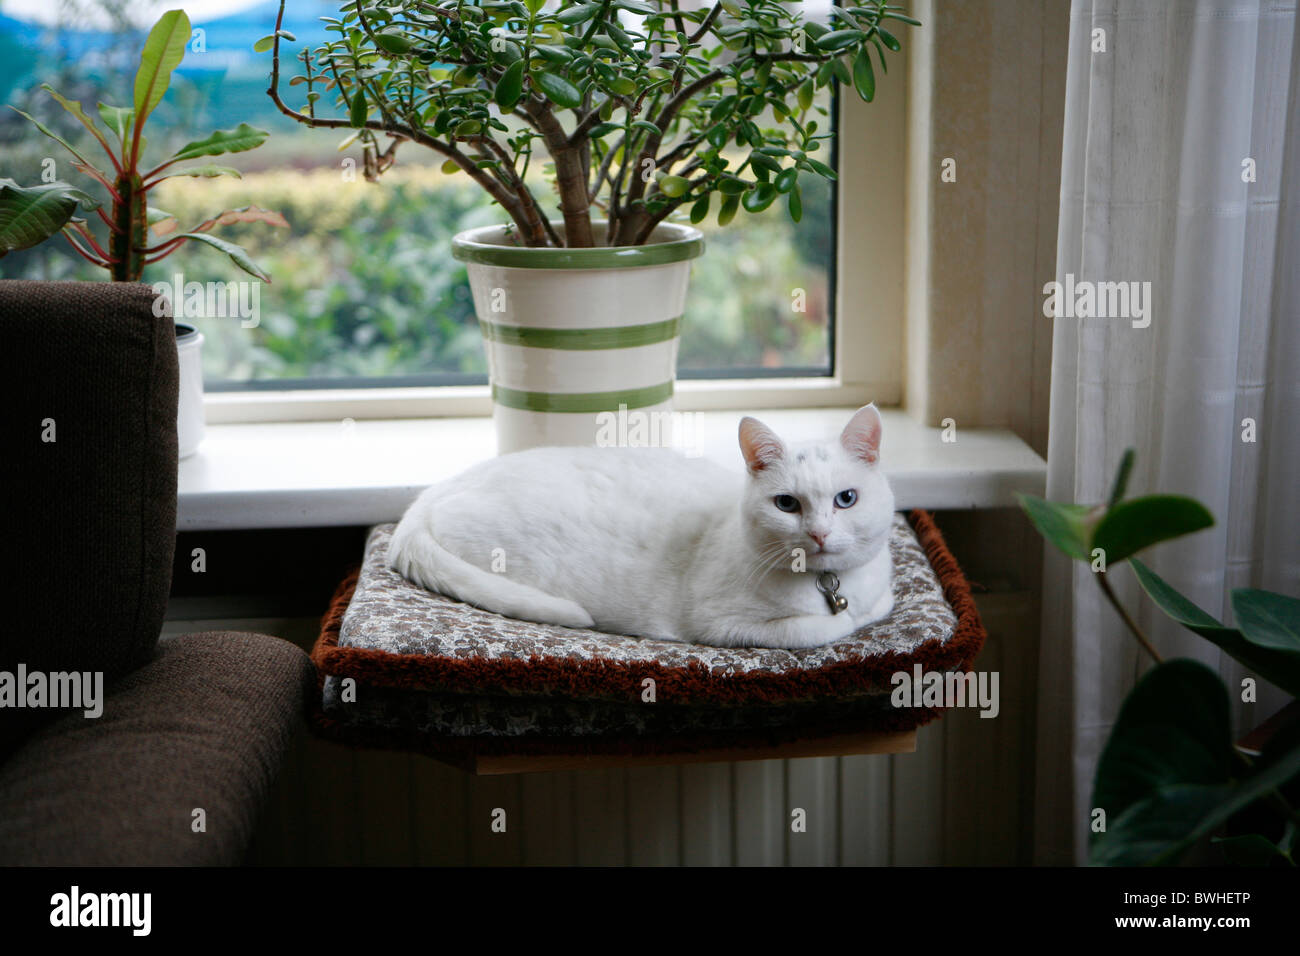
(573,335)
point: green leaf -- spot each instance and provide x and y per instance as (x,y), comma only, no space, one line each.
(360,110)
(674,186)
(840,39)
(1172,731)
(162,53)
(511,86)
(900,17)
(578,13)
(118,119)
(58,139)
(242,137)
(558,90)
(1139,523)
(397,43)
(623,86)
(1267,619)
(794,202)
(1121,477)
(604,129)
(1161,828)
(727,211)
(805,95)
(786,179)
(264,44)
(864,78)
(30,215)
(556,54)
(1173,728)
(821,169)
(206,171)
(237,254)
(889,39)
(160,221)
(75,109)
(759,198)
(534,5)
(1061,524)
(700,209)
(1250,849)
(1280,667)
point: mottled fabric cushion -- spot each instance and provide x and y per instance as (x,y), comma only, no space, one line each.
(432,670)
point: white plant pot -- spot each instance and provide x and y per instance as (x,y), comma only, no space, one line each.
(190,423)
(573,335)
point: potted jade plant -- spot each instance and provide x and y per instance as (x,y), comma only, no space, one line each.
(30,215)
(637,112)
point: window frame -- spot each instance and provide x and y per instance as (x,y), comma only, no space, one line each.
(867,335)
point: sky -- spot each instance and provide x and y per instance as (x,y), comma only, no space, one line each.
(47,11)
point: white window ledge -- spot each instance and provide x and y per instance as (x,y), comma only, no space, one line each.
(324,474)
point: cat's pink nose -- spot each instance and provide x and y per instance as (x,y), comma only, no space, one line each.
(819,537)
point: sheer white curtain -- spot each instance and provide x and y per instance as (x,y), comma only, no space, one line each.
(1163,127)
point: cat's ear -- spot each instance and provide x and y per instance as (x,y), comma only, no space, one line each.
(759,445)
(861,436)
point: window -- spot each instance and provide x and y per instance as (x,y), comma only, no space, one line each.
(367,311)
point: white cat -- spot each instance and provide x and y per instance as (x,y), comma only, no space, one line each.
(644,541)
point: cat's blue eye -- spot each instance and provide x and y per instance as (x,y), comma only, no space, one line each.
(846,499)
(787,503)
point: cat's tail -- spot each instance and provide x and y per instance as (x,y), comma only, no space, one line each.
(415,554)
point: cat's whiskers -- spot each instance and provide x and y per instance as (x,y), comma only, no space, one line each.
(765,563)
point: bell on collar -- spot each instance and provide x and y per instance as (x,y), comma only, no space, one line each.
(829,584)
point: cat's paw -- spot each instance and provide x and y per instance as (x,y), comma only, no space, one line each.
(570,614)
(814,631)
(883,607)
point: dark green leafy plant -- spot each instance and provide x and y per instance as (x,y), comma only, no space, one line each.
(637,103)
(1169,777)
(31,215)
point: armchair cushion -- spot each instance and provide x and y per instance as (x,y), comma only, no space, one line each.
(203,726)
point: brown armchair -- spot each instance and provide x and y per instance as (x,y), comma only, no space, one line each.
(188,724)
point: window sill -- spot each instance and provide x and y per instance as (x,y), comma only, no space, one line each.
(330,474)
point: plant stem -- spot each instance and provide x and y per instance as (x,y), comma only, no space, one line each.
(1128,621)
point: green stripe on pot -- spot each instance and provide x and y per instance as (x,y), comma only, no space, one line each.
(467,248)
(582,340)
(581,401)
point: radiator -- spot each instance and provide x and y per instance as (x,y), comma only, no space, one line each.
(962,798)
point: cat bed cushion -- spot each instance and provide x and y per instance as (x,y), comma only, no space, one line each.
(431,673)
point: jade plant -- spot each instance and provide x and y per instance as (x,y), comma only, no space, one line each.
(30,215)
(1169,778)
(641,107)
